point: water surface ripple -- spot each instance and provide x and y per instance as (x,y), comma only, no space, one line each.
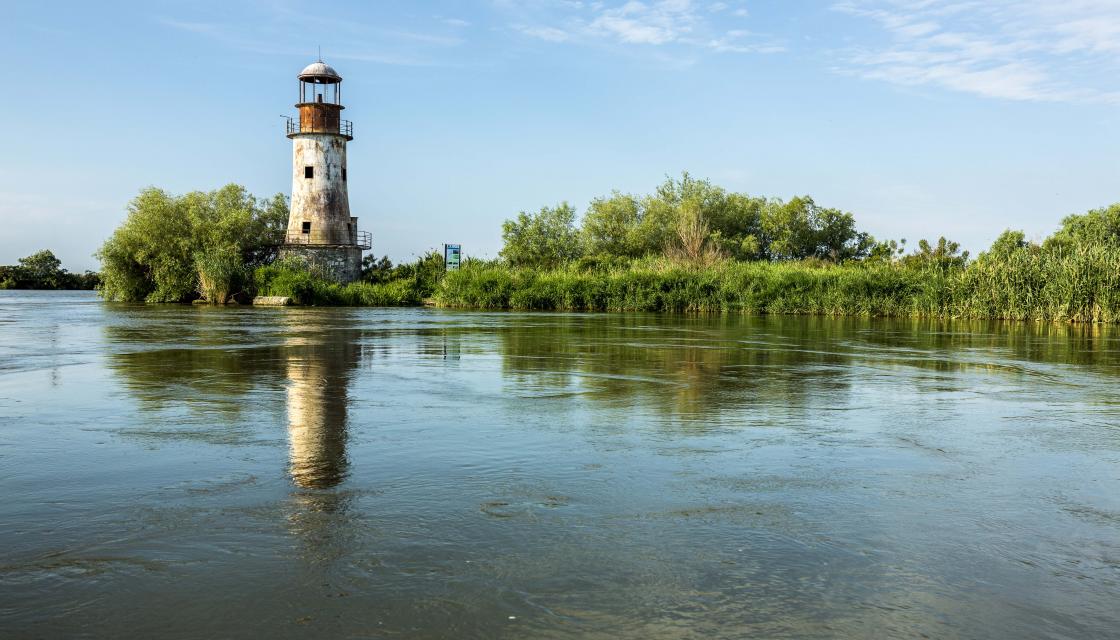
(180,472)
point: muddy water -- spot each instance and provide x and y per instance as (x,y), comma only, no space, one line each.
(180,472)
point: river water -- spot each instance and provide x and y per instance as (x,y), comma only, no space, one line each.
(169,471)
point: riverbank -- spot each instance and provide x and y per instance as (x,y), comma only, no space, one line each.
(1080,285)
(690,246)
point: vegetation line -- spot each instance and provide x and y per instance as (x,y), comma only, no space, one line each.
(42,270)
(689,246)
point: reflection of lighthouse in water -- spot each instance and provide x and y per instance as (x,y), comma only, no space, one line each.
(318,376)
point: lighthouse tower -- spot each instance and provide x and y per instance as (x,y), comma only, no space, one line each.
(321,231)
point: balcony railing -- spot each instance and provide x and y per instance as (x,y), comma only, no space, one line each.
(361,239)
(345,127)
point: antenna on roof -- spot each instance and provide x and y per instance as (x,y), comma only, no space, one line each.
(320,53)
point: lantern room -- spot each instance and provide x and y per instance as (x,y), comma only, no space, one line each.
(320,102)
(318,82)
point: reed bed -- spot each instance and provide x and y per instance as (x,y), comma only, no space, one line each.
(308,288)
(1081,285)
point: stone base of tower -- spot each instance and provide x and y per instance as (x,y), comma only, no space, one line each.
(340,263)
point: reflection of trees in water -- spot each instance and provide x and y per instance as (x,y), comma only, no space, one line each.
(705,366)
(1051,343)
(683,365)
(1015,352)
(203,361)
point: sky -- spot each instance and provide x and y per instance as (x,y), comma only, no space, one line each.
(923,118)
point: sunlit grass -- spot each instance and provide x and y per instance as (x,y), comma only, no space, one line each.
(1080,285)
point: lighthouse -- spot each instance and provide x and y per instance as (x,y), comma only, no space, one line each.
(321,232)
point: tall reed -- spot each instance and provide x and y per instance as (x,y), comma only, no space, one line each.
(220,275)
(1082,285)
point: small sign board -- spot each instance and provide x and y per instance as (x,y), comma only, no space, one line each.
(452,253)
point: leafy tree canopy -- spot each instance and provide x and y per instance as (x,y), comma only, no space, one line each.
(801,229)
(154,255)
(42,265)
(944,255)
(1006,244)
(1099,227)
(43,270)
(545,238)
(735,225)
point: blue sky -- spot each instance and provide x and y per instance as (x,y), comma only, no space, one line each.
(921,117)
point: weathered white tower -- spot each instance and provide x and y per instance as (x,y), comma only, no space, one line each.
(321,231)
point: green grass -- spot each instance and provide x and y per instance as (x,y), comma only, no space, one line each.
(1079,286)
(307,288)
(1082,285)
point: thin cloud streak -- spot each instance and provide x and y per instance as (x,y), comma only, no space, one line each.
(681,24)
(400,47)
(1044,51)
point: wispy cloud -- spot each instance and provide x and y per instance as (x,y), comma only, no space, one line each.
(666,31)
(713,26)
(1044,50)
(551,34)
(639,23)
(743,41)
(350,40)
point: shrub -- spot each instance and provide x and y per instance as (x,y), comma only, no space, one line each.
(154,255)
(220,275)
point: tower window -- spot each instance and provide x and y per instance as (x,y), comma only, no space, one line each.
(309,172)
(306,224)
(344,174)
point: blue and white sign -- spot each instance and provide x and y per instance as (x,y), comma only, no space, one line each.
(451,256)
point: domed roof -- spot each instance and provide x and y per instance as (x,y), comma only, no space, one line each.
(319,72)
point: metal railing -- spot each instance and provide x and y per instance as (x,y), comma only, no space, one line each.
(361,239)
(345,127)
(297,238)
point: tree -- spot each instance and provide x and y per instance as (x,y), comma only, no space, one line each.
(734,224)
(788,229)
(543,239)
(42,270)
(157,253)
(42,266)
(737,225)
(733,219)
(693,242)
(1099,227)
(1006,244)
(837,237)
(610,226)
(945,255)
(374,270)
(887,251)
(628,226)
(800,229)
